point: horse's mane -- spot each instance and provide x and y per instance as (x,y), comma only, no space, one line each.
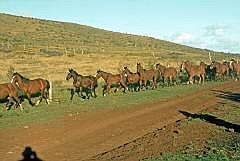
(25,80)
(75,72)
(126,68)
(104,72)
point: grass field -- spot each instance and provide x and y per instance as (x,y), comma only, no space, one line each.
(62,105)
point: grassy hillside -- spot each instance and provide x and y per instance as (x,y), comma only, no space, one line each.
(47,48)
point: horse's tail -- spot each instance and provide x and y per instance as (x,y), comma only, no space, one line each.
(48,89)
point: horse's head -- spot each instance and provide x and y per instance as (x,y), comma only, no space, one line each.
(19,80)
(213,65)
(126,70)
(99,74)
(71,74)
(16,77)
(202,64)
(182,66)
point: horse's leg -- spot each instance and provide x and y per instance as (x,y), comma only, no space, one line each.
(108,89)
(154,83)
(72,93)
(94,92)
(29,99)
(170,81)
(104,88)
(163,81)
(139,86)
(46,96)
(81,89)
(124,87)
(77,90)
(203,79)
(18,102)
(41,98)
(145,84)
(190,80)
(9,104)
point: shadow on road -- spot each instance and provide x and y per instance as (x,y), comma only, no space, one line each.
(213,120)
(29,155)
(228,95)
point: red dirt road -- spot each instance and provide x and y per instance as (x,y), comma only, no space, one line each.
(87,136)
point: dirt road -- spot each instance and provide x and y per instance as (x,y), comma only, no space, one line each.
(91,135)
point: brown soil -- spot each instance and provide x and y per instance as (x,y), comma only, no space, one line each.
(131,133)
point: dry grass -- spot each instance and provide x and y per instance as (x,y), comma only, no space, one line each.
(40,48)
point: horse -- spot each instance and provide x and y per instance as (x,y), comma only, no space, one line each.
(235,66)
(169,73)
(10,93)
(133,79)
(147,75)
(194,70)
(210,72)
(222,70)
(32,88)
(112,80)
(82,83)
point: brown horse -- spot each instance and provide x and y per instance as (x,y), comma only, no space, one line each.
(169,73)
(147,75)
(235,66)
(194,70)
(222,70)
(32,88)
(112,80)
(9,93)
(83,83)
(133,79)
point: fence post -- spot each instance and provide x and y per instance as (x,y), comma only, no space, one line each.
(65,51)
(74,52)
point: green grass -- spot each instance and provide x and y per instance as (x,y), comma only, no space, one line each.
(62,104)
(225,146)
(215,150)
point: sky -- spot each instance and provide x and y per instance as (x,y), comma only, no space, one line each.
(208,24)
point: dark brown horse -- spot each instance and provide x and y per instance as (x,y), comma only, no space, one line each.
(10,93)
(147,75)
(112,80)
(194,70)
(133,79)
(222,70)
(83,83)
(32,88)
(169,73)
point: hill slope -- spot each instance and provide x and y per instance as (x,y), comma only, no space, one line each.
(20,31)
(37,42)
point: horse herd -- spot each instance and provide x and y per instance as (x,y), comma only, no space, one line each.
(20,88)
